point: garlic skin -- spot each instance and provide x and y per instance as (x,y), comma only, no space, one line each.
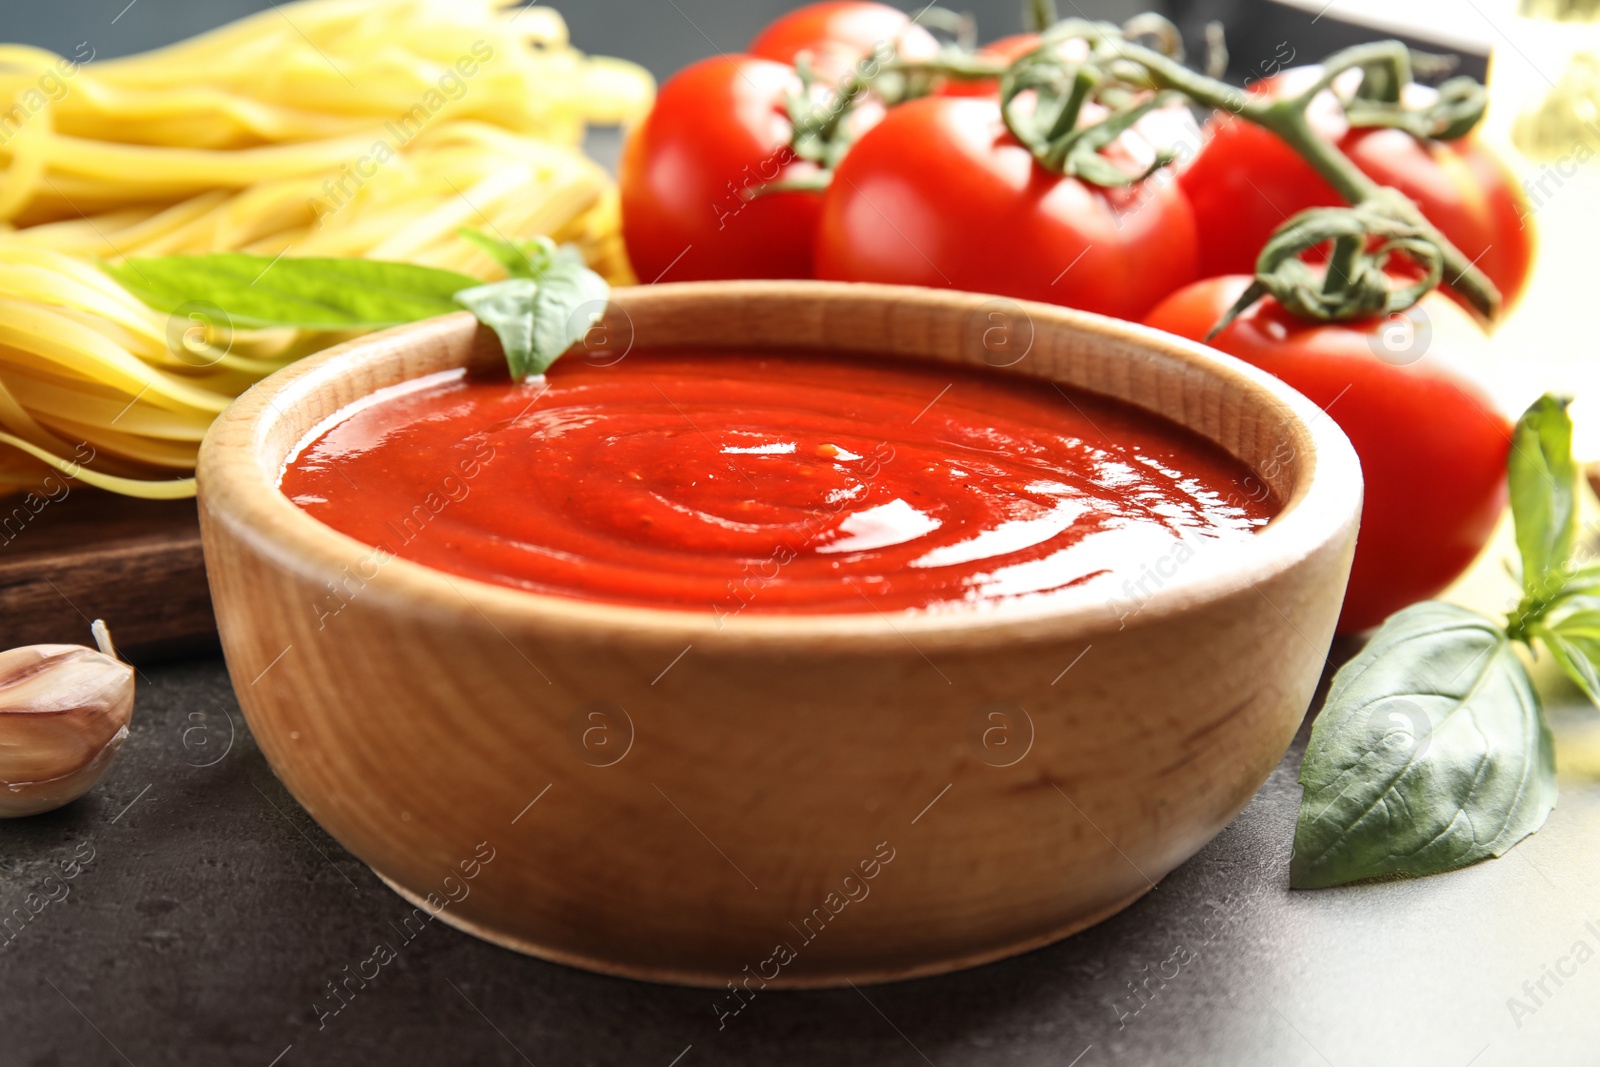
(64,712)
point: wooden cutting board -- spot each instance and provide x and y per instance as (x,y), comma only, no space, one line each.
(134,563)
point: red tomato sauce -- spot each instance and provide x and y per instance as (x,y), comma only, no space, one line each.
(775,484)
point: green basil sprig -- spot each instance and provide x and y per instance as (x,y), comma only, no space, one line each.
(1431,751)
(257,292)
(1544,492)
(548,303)
(1429,754)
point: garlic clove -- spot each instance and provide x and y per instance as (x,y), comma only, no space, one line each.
(64,713)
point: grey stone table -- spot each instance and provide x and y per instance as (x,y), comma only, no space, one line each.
(189,912)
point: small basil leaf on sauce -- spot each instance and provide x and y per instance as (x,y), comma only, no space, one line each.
(308,294)
(1431,753)
(538,320)
(521,259)
(1544,492)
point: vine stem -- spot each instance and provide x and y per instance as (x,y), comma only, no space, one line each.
(1041,15)
(849,91)
(1287,118)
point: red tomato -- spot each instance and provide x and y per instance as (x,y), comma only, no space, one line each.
(1433,445)
(940,194)
(838,33)
(1246,182)
(1005,50)
(719,128)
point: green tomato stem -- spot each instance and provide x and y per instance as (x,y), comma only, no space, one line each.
(1287,118)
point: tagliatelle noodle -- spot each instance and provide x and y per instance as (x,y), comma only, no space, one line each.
(374,128)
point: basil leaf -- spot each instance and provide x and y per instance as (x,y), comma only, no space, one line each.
(537,321)
(308,294)
(1574,643)
(1430,754)
(521,259)
(507,309)
(550,302)
(1544,492)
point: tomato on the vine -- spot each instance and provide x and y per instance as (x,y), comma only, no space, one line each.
(1246,182)
(835,34)
(940,194)
(1433,445)
(719,131)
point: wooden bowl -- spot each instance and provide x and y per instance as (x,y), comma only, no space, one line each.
(779,800)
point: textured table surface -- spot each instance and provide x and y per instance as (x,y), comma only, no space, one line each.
(207,913)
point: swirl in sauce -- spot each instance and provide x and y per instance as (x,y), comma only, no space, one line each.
(773,483)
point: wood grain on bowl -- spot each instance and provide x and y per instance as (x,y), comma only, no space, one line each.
(781,800)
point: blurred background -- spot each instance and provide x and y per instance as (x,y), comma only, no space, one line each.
(666,35)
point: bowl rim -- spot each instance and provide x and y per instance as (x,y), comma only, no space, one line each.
(235,488)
